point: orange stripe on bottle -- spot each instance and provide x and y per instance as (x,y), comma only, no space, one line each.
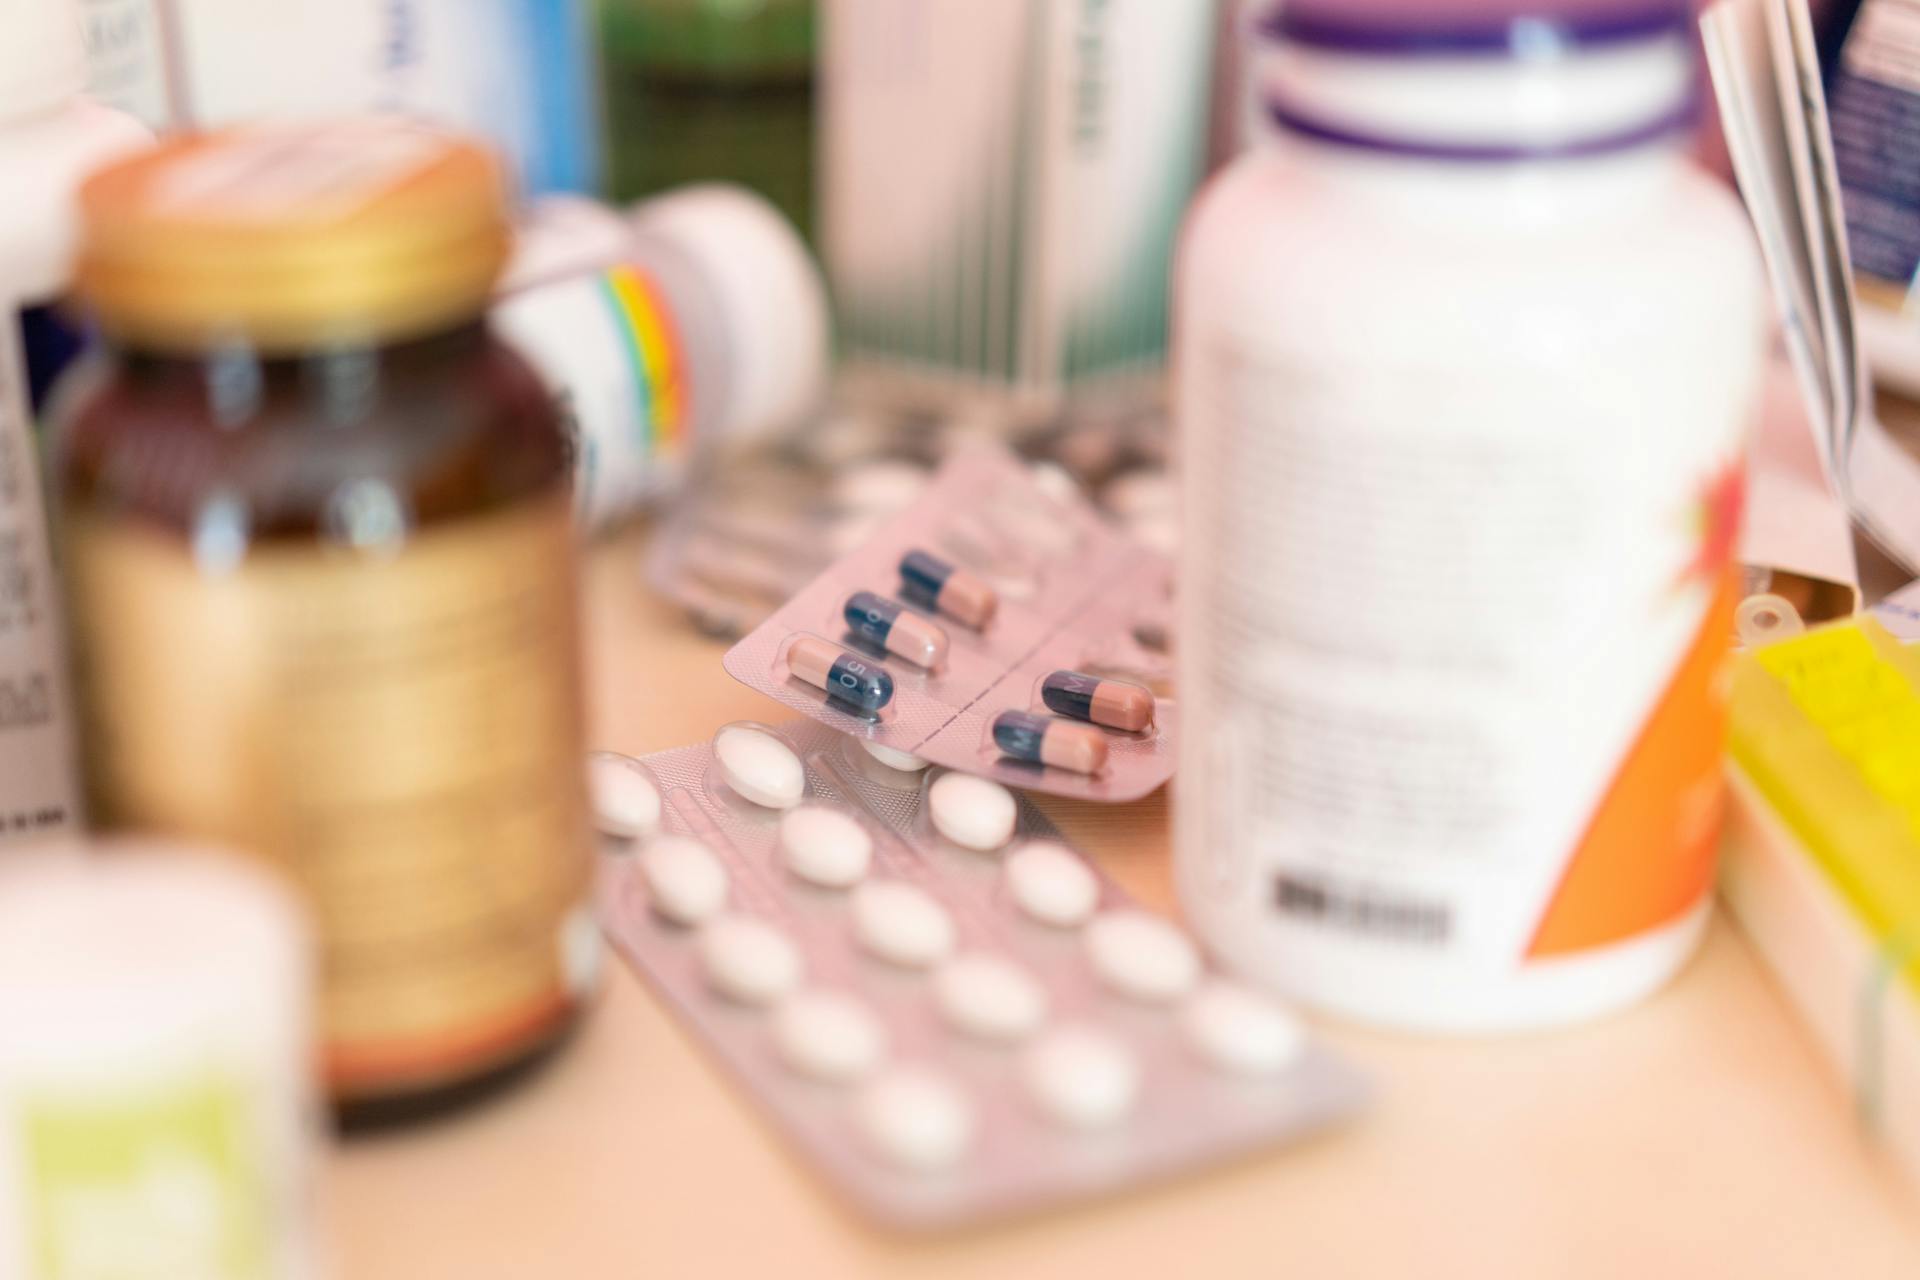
(1648,855)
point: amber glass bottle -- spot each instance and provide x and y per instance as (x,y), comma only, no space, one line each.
(315,526)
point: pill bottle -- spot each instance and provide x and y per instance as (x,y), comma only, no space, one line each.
(315,523)
(49,138)
(1467,358)
(157,1114)
(694,322)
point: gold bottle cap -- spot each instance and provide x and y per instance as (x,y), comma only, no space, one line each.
(290,237)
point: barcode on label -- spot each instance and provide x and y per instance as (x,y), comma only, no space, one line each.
(1363,911)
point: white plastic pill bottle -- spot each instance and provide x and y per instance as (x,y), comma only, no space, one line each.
(51,138)
(1466,354)
(693,321)
(157,1116)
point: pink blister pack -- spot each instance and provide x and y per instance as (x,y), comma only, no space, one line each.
(998,627)
(1017,1057)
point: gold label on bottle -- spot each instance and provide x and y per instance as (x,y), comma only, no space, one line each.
(400,732)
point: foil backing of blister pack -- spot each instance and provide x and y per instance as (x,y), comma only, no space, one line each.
(1074,594)
(1190,1115)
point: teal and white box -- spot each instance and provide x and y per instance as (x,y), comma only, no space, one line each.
(1002,184)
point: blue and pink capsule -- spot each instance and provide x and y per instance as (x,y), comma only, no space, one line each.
(1113,703)
(952,591)
(843,676)
(1045,740)
(890,625)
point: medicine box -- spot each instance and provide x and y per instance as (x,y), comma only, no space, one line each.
(519,72)
(1001,185)
(1822,863)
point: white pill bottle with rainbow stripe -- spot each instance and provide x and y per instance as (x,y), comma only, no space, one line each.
(1465,358)
(694,318)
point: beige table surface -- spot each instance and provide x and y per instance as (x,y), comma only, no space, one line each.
(1698,1135)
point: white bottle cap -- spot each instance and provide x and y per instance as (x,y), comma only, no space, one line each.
(42,60)
(118,955)
(770,295)
(562,235)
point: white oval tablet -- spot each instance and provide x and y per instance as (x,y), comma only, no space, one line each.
(1240,1030)
(759,767)
(915,1118)
(1081,1078)
(975,813)
(686,883)
(824,846)
(1138,954)
(748,960)
(901,923)
(989,996)
(1050,883)
(904,761)
(625,803)
(828,1036)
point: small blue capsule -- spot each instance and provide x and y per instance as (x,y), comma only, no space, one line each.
(870,616)
(856,681)
(841,675)
(951,591)
(887,625)
(1046,741)
(1070,693)
(1113,703)
(925,573)
(1019,734)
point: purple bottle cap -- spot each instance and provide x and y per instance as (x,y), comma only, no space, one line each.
(1513,43)
(1528,29)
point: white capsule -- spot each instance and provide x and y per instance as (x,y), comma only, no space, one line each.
(989,997)
(1140,955)
(759,767)
(828,1036)
(625,803)
(1051,884)
(892,757)
(901,923)
(824,846)
(916,1119)
(975,813)
(1240,1031)
(748,960)
(685,882)
(1081,1078)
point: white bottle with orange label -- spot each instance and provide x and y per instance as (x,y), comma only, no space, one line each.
(1465,360)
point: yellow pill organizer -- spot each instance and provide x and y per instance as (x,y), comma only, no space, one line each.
(1823,856)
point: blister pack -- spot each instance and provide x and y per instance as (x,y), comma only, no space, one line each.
(994,627)
(749,534)
(949,1012)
